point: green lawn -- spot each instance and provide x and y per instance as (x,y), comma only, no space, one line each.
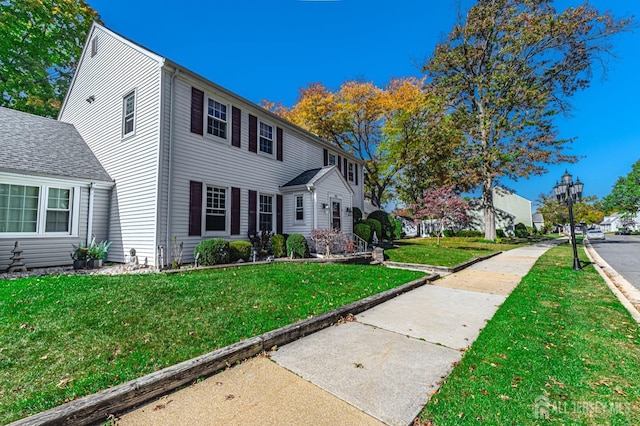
(64,337)
(560,350)
(451,251)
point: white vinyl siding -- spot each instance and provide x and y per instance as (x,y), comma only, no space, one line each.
(133,161)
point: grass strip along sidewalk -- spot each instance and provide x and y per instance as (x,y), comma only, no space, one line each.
(63,337)
(561,349)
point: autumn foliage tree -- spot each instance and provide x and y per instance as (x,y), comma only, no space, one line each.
(40,46)
(509,68)
(442,205)
(380,126)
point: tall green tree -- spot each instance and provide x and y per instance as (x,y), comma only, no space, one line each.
(40,46)
(510,68)
(625,195)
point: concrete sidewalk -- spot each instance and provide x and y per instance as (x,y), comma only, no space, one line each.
(379,369)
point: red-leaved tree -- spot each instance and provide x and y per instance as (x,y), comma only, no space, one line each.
(443,205)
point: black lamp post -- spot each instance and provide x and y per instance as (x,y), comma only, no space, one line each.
(568,191)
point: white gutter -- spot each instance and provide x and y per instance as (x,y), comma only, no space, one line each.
(90,218)
(311,189)
(170,166)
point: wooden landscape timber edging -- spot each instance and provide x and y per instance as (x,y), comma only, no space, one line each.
(99,406)
(443,269)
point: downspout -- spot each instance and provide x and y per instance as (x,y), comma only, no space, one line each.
(90,216)
(314,221)
(170,165)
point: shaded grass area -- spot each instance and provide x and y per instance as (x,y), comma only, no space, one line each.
(451,251)
(560,350)
(64,337)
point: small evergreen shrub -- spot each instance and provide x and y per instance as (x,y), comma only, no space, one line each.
(386,228)
(278,246)
(297,244)
(357,215)
(500,233)
(397,228)
(375,227)
(469,233)
(448,233)
(239,250)
(521,230)
(363,231)
(212,252)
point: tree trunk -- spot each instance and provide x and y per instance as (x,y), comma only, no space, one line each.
(489,210)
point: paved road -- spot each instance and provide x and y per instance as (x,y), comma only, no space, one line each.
(622,253)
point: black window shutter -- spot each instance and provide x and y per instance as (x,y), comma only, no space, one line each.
(345,169)
(279,214)
(253,201)
(339,161)
(236,125)
(235,211)
(355,171)
(197,111)
(279,142)
(195,208)
(326,157)
(253,133)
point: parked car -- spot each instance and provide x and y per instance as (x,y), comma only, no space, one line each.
(623,231)
(595,234)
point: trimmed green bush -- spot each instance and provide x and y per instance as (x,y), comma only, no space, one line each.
(297,244)
(363,231)
(521,230)
(239,250)
(278,246)
(375,227)
(500,233)
(448,233)
(469,233)
(357,215)
(212,252)
(397,228)
(386,227)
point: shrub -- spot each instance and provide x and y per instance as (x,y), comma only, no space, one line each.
(521,230)
(375,227)
(397,228)
(448,233)
(386,228)
(363,231)
(500,233)
(357,215)
(212,252)
(297,245)
(239,250)
(278,246)
(327,241)
(469,233)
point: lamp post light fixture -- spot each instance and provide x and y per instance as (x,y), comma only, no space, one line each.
(568,191)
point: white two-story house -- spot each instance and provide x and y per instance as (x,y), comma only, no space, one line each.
(192,160)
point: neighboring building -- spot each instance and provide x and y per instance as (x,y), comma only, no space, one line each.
(616,221)
(538,221)
(510,208)
(192,160)
(53,190)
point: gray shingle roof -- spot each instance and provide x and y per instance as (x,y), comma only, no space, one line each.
(36,145)
(303,178)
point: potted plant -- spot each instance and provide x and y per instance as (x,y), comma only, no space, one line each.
(79,255)
(97,253)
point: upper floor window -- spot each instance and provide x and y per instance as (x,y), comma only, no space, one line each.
(266,138)
(216,209)
(21,210)
(94,46)
(216,118)
(350,173)
(129,113)
(299,207)
(332,159)
(266,213)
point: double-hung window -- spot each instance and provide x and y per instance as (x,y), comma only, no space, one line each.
(216,209)
(299,208)
(332,159)
(266,213)
(266,138)
(129,114)
(37,209)
(350,172)
(216,118)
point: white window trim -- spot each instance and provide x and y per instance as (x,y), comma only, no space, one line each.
(335,159)
(227,211)
(351,172)
(74,199)
(297,221)
(273,139)
(273,211)
(133,92)
(205,119)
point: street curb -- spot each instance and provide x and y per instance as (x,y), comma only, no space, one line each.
(623,289)
(441,269)
(99,406)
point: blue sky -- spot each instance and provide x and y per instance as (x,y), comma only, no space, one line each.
(268,49)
